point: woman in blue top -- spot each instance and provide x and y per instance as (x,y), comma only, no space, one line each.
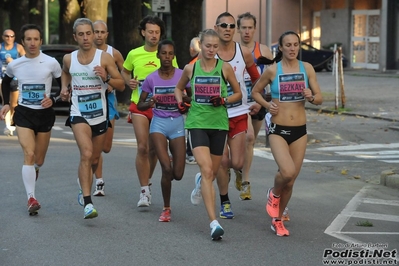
(292,83)
(167,124)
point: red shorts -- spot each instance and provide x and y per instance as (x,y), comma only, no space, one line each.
(238,125)
(134,111)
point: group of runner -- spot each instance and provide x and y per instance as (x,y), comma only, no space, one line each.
(221,93)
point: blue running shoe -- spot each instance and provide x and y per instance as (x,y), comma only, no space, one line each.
(225,211)
(90,212)
(216,231)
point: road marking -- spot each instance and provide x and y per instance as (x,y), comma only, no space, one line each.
(336,226)
(360,147)
(125,140)
(268,155)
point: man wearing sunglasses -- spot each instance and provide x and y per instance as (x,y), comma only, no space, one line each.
(10,50)
(240,58)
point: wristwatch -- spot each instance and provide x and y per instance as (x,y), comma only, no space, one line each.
(108,78)
(311,101)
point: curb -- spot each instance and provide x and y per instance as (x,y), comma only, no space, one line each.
(323,110)
(389,178)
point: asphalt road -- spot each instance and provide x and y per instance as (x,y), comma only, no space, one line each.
(334,193)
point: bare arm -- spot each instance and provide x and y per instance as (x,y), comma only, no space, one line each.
(118,59)
(21,50)
(312,94)
(184,79)
(265,51)
(259,86)
(116,81)
(65,77)
(142,105)
(133,83)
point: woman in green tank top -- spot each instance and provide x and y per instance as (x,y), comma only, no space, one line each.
(207,120)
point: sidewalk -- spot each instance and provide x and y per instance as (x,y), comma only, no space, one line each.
(368,93)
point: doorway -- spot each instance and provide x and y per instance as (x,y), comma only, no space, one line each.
(365,40)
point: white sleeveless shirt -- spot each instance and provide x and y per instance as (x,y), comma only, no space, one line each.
(88,90)
(238,64)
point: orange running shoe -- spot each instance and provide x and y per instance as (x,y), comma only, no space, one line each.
(278,227)
(165,216)
(273,204)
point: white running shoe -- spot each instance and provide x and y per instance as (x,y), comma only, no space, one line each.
(145,200)
(216,230)
(99,189)
(90,212)
(196,195)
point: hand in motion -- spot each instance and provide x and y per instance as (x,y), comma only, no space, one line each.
(134,83)
(183,107)
(46,102)
(4,110)
(217,101)
(65,94)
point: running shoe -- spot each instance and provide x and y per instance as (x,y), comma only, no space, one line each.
(33,206)
(196,195)
(99,189)
(225,211)
(245,193)
(90,212)
(278,227)
(216,231)
(191,160)
(273,204)
(165,216)
(80,195)
(286,216)
(7,131)
(238,183)
(145,200)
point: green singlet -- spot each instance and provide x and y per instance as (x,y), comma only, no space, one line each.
(202,114)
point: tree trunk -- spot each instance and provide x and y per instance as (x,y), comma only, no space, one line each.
(18,16)
(94,9)
(69,12)
(36,15)
(126,16)
(186,24)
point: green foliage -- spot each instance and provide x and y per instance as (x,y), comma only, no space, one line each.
(147,5)
(34,11)
(364,223)
(54,12)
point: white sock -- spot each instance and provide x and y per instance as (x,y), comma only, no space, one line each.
(146,190)
(29,178)
(99,180)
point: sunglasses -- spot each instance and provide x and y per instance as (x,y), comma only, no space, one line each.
(9,36)
(225,25)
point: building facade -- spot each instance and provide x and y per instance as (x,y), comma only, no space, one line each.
(367,30)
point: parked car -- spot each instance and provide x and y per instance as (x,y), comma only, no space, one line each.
(58,51)
(319,59)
